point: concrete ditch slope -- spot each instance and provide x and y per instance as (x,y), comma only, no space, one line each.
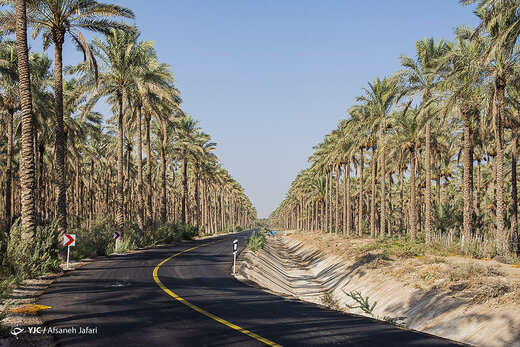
(292,268)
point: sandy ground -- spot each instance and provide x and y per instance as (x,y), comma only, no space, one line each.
(27,294)
(468,300)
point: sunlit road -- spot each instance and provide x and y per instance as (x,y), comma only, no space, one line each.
(199,304)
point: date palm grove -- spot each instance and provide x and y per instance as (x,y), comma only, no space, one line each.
(429,153)
(66,165)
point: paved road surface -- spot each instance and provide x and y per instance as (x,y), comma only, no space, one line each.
(120,297)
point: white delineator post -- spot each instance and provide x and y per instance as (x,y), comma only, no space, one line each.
(235,248)
(117,236)
(69,240)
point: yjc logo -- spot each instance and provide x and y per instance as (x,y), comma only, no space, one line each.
(15,331)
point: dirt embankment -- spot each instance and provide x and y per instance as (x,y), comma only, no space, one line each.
(472,301)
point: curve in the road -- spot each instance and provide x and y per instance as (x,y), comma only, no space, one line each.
(200,310)
(120,297)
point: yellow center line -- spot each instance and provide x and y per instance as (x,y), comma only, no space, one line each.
(198,309)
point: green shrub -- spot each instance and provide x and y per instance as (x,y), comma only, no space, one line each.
(256,241)
(8,283)
(3,329)
(364,304)
(94,241)
(132,238)
(188,232)
(32,255)
(167,232)
(399,247)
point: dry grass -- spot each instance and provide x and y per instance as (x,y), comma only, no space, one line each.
(424,267)
(330,301)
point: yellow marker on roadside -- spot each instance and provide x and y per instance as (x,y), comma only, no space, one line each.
(200,310)
(28,309)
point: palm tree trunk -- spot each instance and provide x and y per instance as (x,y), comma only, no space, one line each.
(382,223)
(27,165)
(140,202)
(401,194)
(37,189)
(61,184)
(345,199)
(438,183)
(494,178)
(41,184)
(500,233)
(8,170)
(478,209)
(331,221)
(446,200)
(338,173)
(184,188)
(322,219)
(326,202)
(222,223)
(204,209)
(215,207)
(163,170)
(197,200)
(390,206)
(348,211)
(77,197)
(360,204)
(316,227)
(418,200)
(119,199)
(127,194)
(298,216)
(413,212)
(468,173)
(149,214)
(514,192)
(373,195)
(428,185)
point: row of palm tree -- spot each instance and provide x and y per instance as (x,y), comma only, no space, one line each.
(60,162)
(449,117)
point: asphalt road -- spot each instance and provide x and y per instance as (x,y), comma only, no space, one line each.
(120,297)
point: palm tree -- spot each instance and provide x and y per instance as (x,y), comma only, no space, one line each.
(202,159)
(121,57)
(500,23)
(514,121)
(27,164)
(421,77)
(463,79)
(164,131)
(153,82)
(43,101)
(9,100)
(357,125)
(407,138)
(378,100)
(186,130)
(55,19)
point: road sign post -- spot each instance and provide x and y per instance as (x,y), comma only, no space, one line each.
(235,248)
(117,236)
(69,240)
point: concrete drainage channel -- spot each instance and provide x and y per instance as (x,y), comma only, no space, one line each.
(295,270)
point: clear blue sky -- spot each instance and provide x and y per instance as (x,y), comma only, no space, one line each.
(267,79)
